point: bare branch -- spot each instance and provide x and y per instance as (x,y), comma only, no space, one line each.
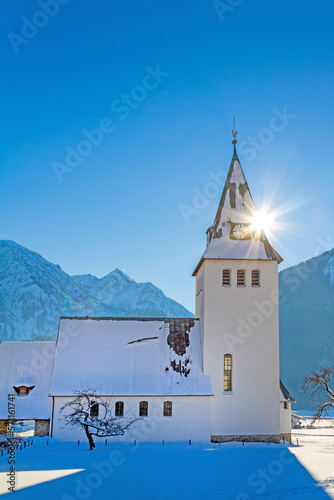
(78,413)
(317,384)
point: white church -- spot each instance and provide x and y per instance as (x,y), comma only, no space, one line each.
(213,378)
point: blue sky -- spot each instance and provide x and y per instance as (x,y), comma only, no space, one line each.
(182,70)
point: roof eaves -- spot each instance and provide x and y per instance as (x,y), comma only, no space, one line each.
(286,393)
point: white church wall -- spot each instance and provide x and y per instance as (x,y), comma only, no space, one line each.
(190,420)
(199,303)
(242,322)
(285,419)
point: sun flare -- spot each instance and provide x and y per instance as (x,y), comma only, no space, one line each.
(262,221)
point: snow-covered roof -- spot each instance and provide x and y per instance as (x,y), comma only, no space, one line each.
(236,207)
(285,396)
(128,357)
(29,364)
(295,416)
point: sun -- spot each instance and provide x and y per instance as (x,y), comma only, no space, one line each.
(262,221)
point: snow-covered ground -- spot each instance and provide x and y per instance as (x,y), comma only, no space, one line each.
(316,451)
(67,471)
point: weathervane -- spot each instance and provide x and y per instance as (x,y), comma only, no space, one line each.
(234,132)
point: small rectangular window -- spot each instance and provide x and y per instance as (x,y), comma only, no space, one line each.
(226,277)
(255,278)
(199,284)
(119,409)
(227,372)
(167,409)
(143,409)
(94,409)
(241,277)
(286,406)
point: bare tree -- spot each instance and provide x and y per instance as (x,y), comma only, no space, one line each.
(317,384)
(95,415)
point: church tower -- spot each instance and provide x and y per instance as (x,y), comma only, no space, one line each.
(237,304)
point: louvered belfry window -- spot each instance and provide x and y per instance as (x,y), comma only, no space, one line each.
(226,277)
(241,277)
(255,278)
(227,372)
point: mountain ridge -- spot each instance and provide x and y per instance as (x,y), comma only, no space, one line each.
(34,293)
(306,317)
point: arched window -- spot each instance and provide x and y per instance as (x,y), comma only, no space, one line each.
(241,277)
(256,278)
(94,409)
(119,409)
(167,409)
(143,409)
(226,277)
(227,372)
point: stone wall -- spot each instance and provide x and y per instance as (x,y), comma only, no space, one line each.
(42,427)
(258,438)
(286,437)
(4,427)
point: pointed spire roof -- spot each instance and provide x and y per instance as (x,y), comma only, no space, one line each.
(231,236)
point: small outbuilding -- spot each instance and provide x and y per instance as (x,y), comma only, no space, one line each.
(285,412)
(25,377)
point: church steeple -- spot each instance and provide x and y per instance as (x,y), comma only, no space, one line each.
(232,235)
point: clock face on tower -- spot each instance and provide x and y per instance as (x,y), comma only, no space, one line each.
(240,232)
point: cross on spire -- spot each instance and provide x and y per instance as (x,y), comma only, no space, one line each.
(234,133)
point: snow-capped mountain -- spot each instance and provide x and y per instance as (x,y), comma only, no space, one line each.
(306,321)
(126,297)
(34,293)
